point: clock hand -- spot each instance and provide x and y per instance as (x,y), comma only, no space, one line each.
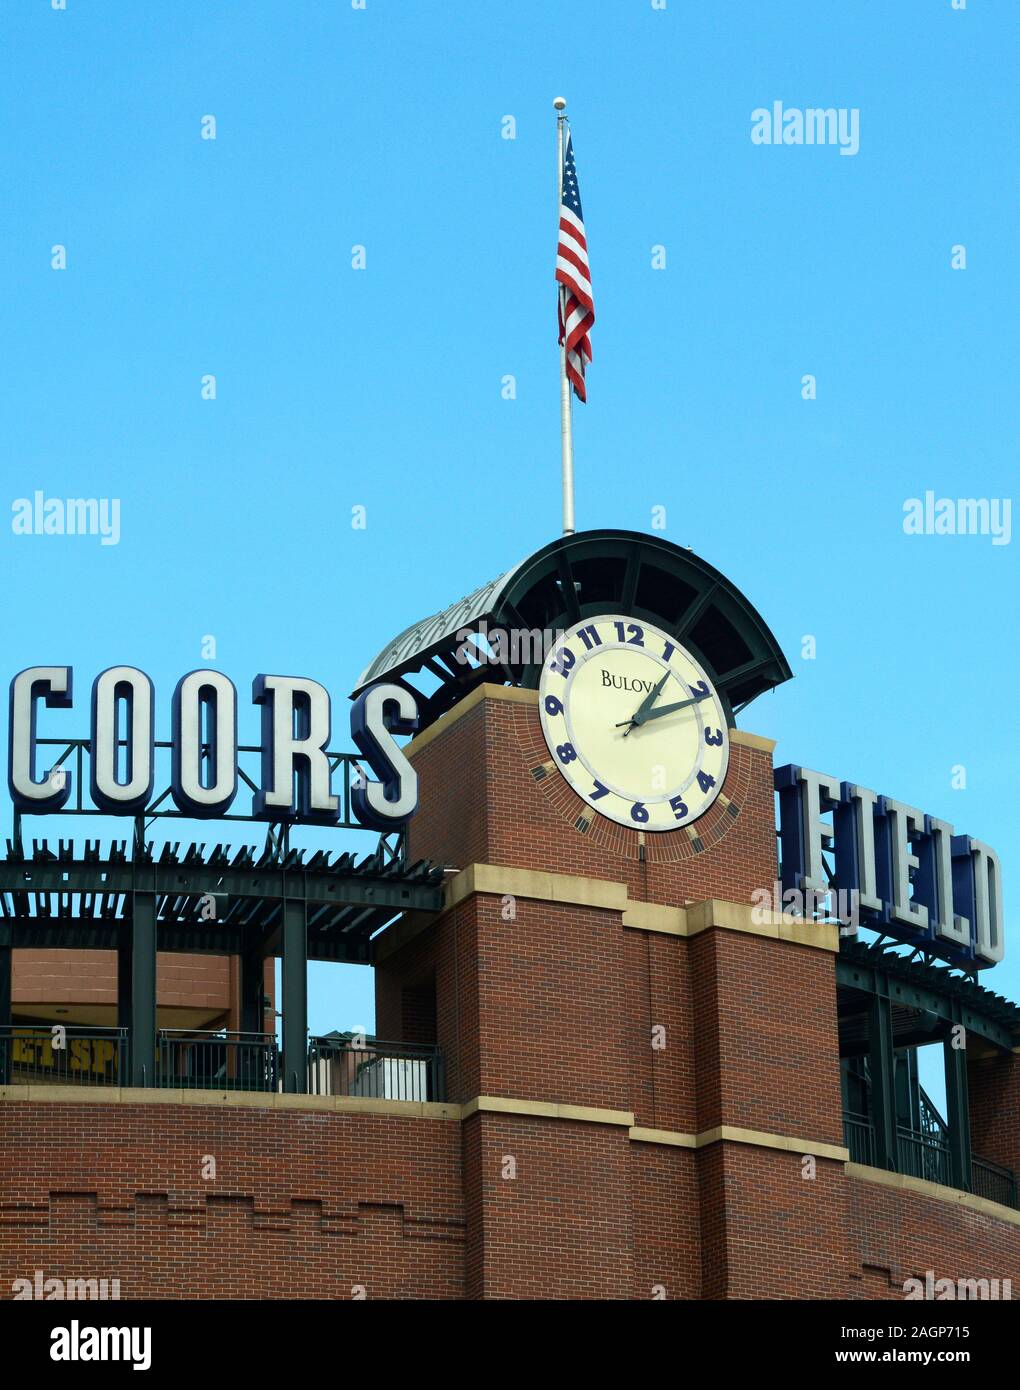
(646,704)
(671,709)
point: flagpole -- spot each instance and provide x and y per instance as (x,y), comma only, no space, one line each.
(566,424)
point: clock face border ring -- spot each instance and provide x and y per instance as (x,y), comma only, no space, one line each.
(630,808)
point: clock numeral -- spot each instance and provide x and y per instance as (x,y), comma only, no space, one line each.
(600,790)
(679,808)
(700,690)
(638,812)
(552,705)
(715,742)
(562,662)
(705,782)
(638,639)
(566,752)
(590,636)
(667,651)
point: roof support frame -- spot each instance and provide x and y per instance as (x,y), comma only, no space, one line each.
(977,1015)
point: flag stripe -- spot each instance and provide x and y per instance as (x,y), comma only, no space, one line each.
(575,307)
(581,291)
(566,259)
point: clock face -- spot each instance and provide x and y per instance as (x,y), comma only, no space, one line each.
(633,723)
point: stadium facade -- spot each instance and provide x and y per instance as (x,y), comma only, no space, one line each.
(613,1058)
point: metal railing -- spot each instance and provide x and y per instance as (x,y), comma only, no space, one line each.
(923,1156)
(933,1126)
(859,1137)
(339,1066)
(992,1181)
(218,1061)
(40,1055)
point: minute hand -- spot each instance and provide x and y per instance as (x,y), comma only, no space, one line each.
(668,709)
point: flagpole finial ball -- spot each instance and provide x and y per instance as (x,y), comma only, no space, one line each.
(560,103)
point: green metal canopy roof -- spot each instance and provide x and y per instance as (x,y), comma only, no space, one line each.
(72,898)
(915,986)
(580,576)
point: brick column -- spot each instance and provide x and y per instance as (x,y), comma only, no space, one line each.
(644,1067)
(994,1086)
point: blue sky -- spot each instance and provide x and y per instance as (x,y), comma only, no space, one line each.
(335,387)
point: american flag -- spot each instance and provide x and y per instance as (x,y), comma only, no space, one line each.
(576,311)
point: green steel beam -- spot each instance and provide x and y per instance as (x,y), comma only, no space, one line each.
(381,897)
(65,934)
(852,974)
(5,999)
(881,1056)
(124,983)
(355,950)
(268,882)
(295,997)
(142,1006)
(958,1113)
(198,938)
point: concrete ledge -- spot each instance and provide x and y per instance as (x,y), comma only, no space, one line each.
(741,736)
(329,1105)
(531,883)
(238,1100)
(729,1134)
(779,926)
(759,1139)
(934,1190)
(673,1138)
(669,921)
(542,1109)
(610,896)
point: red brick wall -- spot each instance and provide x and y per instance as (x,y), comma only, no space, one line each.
(448,953)
(313,1205)
(90,978)
(302,1205)
(564,998)
(560,1226)
(899,1235)
(766,1046)
(667,1226)
(994,1084)
(205,985)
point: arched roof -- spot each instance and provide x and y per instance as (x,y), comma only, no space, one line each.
(579,576)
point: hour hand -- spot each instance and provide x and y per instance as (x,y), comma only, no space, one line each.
(645,705)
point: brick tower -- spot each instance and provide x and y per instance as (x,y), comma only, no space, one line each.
(648,1066)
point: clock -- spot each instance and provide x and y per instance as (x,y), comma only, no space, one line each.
(633,723)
